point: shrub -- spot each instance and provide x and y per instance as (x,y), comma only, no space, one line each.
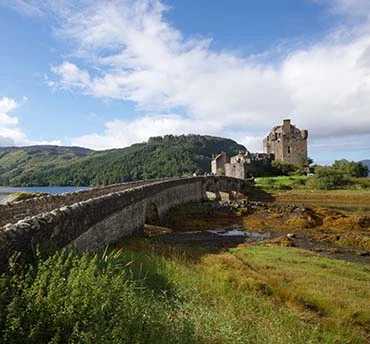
(328,178)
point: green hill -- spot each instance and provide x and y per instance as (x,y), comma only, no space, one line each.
(160,157)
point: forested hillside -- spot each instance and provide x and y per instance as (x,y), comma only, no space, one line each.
(167,156)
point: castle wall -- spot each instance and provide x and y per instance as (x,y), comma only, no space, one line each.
(237,170)
(294,150)
(218,164)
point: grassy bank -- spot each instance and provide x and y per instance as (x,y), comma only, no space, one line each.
(160,294)
(304,183)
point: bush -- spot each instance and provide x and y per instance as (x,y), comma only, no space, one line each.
(328,178)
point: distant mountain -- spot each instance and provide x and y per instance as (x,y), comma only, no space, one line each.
(366,163)
(167,156)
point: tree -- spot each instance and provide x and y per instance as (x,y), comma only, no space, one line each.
(282,168)
(351,168)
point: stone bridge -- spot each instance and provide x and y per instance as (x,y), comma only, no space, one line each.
(92,219)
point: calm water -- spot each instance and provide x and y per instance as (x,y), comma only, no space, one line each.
(5,190)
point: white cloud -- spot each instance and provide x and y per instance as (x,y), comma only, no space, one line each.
(10,132)
(348,7)
(323,87)
(119,133)
(6,106)
(329,86)
(125,49)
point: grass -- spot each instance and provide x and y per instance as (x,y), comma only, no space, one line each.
(162,294)
(350,201)
(21,196)
(281,182)
(337,291)
(299,183)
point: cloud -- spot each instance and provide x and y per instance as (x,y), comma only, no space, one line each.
(120,133)
(10,132)
(348,8)
(139,57)
(127,50)
(329,85)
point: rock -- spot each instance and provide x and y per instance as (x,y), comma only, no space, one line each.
(290,235)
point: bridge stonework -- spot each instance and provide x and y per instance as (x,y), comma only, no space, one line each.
(110,214)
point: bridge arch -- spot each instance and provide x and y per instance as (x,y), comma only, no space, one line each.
(151,216)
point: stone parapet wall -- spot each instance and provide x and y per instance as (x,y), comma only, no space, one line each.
(13,212)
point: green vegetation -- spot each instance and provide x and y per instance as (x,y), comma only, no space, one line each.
(339,292)
(282,182)
(328,178)
(341,175)
(157,294)
(351,168)
(168,156)
(18,163)
(160,157)
(279,168)
(21,196)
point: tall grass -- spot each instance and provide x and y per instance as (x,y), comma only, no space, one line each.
(88,299)
(157,294)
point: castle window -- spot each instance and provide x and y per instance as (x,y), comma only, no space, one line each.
(288,149)
(275,136)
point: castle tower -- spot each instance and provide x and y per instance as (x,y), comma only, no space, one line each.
(287,143)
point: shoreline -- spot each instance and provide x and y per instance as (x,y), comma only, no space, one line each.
(8,198)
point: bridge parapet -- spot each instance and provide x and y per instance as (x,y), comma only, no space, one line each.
(99,221)
(13,212)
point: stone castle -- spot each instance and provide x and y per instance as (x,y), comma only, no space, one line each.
(287,143)
(284,143)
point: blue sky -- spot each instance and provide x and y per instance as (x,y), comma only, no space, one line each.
(109,73)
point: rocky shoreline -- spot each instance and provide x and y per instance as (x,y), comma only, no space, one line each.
(324,231)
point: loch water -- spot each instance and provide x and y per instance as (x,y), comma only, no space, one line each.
(5,191)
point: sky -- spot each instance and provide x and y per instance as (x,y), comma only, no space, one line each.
(109,73)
